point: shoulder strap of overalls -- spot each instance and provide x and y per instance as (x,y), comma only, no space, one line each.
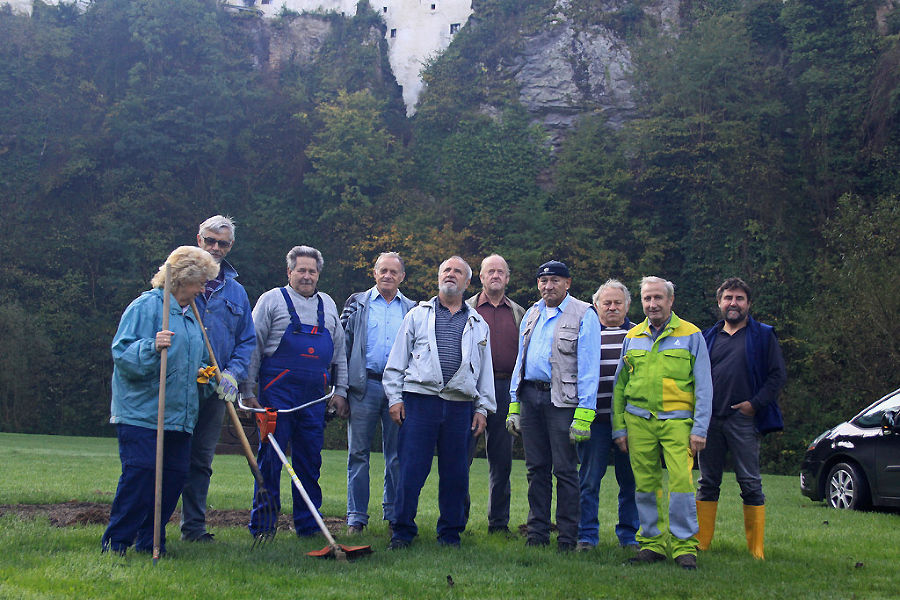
(321,314)
(295,320)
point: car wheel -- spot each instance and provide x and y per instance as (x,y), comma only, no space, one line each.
(847,487)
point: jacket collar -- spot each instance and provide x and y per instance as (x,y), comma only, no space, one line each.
(674,323)
(374,293)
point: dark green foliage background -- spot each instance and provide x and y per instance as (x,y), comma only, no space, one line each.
(765,145)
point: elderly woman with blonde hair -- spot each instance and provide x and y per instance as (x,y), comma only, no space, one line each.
(136,352)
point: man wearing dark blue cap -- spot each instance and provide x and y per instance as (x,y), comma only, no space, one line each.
(553,396)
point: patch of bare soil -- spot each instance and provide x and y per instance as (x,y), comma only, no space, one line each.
(69,514)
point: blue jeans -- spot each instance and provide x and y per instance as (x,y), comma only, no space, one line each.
(433,422)
(131,516)
(594,457)
(365,413)
(736,433)
(203,448)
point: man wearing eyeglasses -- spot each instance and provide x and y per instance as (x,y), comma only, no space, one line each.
(227,316)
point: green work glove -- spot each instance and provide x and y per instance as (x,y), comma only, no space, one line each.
(580,429)
(227,387)
(512,419)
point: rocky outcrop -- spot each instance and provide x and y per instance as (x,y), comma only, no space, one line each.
(574,66)
(297,39)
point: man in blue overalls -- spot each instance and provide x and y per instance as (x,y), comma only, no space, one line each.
(299,348)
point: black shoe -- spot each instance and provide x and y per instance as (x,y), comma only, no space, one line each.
(203,538)
(398,544)
(564,547)
(448,543)
(646,556)
(688,562)
(536,542)
(498,529)
(584,547)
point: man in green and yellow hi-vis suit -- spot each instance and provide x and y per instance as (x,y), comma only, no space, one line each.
(662,400)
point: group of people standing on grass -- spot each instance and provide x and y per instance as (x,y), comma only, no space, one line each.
(577,381)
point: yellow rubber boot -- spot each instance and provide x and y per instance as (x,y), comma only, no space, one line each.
(706,519)
(755,528)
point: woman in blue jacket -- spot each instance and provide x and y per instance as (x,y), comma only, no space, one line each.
(135,397)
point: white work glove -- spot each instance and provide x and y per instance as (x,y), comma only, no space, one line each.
(512,425)
(227,387)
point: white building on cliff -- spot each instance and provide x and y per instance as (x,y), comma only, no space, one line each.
(417,30)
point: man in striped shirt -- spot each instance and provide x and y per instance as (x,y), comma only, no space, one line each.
(611,301)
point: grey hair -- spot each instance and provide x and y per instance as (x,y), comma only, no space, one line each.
(613,284)
(307,251)
(384,255)
(670,287)
(216,224)
(460,259)
(495,255)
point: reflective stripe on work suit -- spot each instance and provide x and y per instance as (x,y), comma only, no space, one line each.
(296,373)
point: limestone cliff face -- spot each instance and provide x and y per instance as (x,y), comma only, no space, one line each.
(296,39)
(571,67)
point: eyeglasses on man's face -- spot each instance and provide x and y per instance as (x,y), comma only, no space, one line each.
(211,241)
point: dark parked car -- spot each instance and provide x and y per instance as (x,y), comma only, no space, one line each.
(857,463)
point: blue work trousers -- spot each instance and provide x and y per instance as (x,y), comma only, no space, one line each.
(432,422)
(365,413)
(203,449)
(305,430)
(131,515)
(594,456)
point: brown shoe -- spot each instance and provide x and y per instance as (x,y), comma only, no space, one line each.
(646,556)
(584,547)
(355,529)
(688,562)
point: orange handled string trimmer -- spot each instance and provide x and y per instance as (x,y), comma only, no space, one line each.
(266,418)
(262,494)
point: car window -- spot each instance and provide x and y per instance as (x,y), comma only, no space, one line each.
(871,417)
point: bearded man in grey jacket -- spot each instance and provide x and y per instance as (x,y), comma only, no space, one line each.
(439,383)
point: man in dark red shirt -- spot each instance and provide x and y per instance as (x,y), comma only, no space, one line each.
(503,316)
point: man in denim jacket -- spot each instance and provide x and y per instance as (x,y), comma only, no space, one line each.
(227,316)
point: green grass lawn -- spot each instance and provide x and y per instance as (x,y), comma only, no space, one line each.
(812,551)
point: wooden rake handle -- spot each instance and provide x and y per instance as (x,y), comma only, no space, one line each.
(232,413)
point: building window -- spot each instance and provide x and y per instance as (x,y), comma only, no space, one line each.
(267,1)
(433,6)
(384,9)
(393,33)
(454,27)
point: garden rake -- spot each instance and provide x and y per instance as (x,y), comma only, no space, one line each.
(262,494)
(266,418)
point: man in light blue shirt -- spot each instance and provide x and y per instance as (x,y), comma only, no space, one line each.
(371,320)
(553,396)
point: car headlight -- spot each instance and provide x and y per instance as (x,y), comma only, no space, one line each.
(815,442)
